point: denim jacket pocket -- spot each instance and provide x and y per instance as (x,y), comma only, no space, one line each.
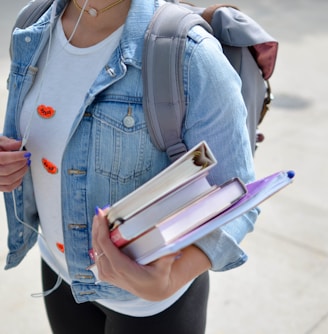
(121,131)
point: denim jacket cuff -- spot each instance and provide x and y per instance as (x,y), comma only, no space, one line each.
(223,252)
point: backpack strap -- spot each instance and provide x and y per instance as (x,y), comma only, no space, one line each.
(247,46)
(30,14)
(163,96)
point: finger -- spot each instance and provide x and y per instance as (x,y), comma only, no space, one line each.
(12,181)
(103,264)
(100,233)
(114,260)
(103,238)
(95,233)
(8,158)
(12,168)
(105,210)
(9,144)
(10,187)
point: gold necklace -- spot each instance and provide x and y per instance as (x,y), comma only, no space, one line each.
(93,11)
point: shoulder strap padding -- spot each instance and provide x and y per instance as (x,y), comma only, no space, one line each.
(164,103)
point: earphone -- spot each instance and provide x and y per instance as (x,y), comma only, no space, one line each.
(28,128)
(51,27)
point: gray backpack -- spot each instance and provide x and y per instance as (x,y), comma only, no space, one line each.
(250,50)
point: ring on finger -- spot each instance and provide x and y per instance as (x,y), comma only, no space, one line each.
(98,256)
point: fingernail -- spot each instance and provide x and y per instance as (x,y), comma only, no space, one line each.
(27,155)
(106,207)
(97,211)
(29,162)
(92,254)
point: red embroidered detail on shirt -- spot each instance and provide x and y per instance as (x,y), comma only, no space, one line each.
(50,167)
(46,111)
(60,247)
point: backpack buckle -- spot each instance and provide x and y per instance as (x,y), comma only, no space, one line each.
(176,151)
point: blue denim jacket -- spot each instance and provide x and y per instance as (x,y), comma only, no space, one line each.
(104,160)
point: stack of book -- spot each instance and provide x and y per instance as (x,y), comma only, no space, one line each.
(178,206)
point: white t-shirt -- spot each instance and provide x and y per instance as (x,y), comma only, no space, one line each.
(48,114)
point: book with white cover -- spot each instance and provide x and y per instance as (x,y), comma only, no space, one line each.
(196,162)
(153,214)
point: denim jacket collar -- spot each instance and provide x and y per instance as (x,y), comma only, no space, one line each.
(131,44)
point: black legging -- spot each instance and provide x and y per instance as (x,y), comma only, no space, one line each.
(186,316)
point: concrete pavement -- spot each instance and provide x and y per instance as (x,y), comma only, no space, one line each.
(282,289)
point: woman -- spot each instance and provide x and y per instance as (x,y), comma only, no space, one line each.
(75,76)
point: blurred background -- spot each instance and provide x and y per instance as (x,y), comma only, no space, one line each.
(282,289)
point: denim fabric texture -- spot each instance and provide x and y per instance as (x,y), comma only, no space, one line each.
(104,160)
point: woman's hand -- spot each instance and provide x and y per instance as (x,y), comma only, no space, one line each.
(13,164)
(156,281)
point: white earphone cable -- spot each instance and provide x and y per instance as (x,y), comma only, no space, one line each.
(37,99)
(27,134)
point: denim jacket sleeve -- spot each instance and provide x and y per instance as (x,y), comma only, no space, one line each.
(216,113)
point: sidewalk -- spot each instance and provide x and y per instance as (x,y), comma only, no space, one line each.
(282,289)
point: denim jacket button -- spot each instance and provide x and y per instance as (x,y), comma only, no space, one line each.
(111,71)
(28,39)
(128,121)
